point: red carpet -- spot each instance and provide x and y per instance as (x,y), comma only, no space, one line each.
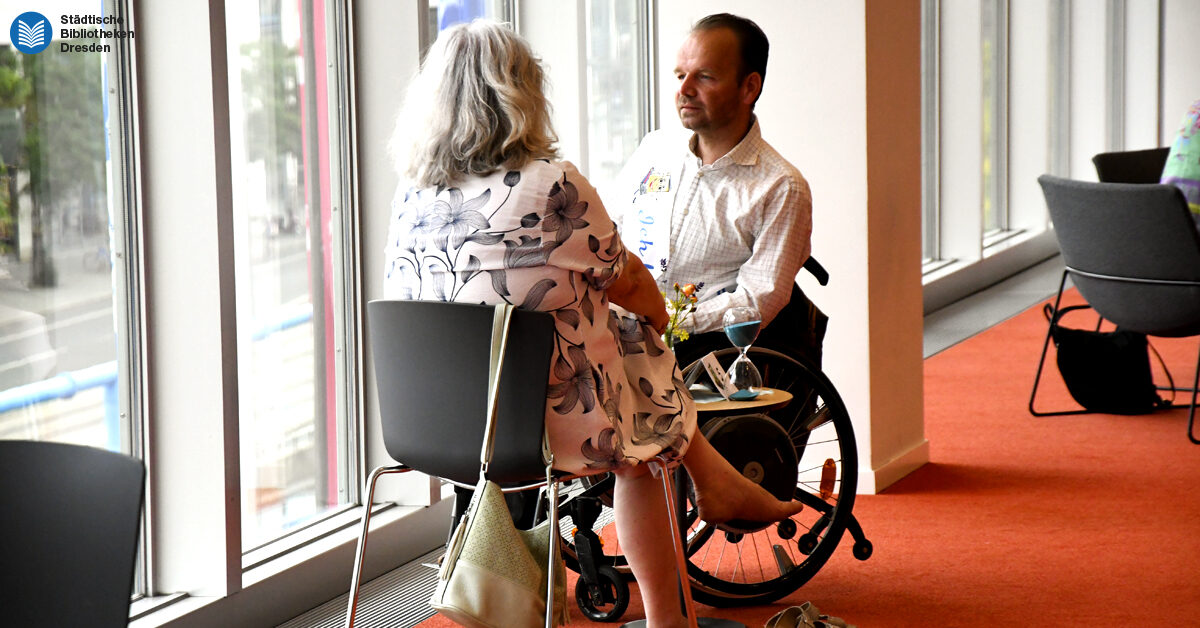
(1085,520)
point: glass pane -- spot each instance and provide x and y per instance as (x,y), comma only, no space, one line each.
(292,471)
(616,83)
(58,318)
(994,16)
(446,13)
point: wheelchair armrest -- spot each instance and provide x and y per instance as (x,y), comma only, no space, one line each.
(817,270)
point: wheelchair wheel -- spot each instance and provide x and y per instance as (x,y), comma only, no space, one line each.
(804,450)
(607,599)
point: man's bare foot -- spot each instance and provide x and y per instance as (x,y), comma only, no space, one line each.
(743,500)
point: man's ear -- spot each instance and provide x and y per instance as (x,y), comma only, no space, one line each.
(751,88)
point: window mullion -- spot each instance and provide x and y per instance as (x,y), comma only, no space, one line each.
(191,344)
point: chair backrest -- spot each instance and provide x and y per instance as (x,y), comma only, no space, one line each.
(1135,237)
(69,519)
(431,369)
(1131,166)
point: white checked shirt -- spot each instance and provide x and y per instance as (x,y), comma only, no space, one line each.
(741,224)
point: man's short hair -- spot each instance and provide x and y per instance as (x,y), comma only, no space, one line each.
(752,42)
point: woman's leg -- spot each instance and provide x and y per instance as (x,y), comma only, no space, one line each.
(644,529)
(645,536)
(722,493)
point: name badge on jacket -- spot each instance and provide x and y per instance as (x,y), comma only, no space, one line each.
(647,228)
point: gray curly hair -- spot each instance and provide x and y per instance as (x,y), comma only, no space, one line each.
(477,104)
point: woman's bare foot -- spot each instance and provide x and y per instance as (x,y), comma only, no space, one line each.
(742,499)
(723,494)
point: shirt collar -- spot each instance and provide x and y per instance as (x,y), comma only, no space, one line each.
(744,154)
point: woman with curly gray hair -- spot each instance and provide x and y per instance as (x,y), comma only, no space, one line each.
(485,213)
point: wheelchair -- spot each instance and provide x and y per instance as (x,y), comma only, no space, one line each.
(803,449)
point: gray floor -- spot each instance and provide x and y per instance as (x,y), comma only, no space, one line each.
(962,319)
(398,598)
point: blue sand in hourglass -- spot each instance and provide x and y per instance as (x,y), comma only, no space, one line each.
(743,334)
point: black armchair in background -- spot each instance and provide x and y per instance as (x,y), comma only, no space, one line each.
(1131,166)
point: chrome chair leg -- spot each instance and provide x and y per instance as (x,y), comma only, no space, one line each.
(1037,378)
(552,492)
(658,466)
(356,573)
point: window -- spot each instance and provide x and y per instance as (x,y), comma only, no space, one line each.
(599,75)
(446,13)
(65,326)
(994,128)
(295,444)
(1013,89)
(994,119)
(618,80)
(69,338)
(599,78)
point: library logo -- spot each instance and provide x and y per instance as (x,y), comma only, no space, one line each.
(30,32)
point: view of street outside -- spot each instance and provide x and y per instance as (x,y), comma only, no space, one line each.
(46,332)
(57,338)
(59,373)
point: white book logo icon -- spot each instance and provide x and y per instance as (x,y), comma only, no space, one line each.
(31,36)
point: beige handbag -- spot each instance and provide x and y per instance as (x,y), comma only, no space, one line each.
(494,575)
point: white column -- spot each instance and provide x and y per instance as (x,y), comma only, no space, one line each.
(190,323)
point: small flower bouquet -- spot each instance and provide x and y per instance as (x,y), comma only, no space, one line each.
(679,307)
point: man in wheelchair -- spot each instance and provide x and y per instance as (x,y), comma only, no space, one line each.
(715,205)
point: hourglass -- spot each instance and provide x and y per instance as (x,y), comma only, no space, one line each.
(741,327)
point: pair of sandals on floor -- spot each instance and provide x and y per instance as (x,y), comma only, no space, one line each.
(805,616)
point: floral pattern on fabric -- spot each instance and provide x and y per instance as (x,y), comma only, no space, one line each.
(540,239)
(1183,160)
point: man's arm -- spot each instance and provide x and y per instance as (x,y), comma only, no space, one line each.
(780,249)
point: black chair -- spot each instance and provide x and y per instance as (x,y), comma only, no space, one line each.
(1133,252)
(431,370)
(1131,166)
(69,518)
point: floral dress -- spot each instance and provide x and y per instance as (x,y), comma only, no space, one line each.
(539,238)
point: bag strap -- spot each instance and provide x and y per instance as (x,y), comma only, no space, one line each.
(500,323)
(1170,380)
(1054,317)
